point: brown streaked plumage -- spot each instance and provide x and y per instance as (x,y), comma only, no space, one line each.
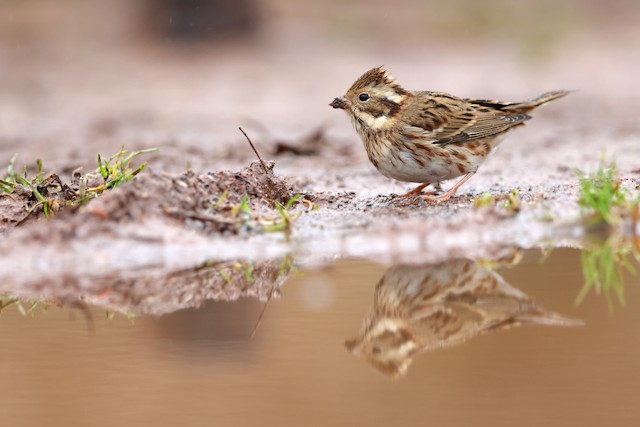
(429,137)
(428,307)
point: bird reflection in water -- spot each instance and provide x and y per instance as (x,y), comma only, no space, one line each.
(425,307)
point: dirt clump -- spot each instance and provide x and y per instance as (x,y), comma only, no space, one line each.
(223,201)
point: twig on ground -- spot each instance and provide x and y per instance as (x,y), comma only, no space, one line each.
(255,151)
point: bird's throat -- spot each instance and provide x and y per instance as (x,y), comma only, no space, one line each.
(369,120)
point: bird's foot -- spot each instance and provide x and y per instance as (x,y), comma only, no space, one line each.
(438,198)
(418,191)
(449,193)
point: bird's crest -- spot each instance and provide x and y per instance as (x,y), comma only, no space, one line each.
(377,77)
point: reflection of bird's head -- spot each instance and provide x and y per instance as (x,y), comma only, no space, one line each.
(388,345)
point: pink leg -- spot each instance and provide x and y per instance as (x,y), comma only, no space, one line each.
(451,192)
(416,191)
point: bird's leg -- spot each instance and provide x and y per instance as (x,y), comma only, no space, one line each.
(416,191)
(451,192)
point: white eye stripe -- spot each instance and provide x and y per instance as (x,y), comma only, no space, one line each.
(392,96)
(384,325)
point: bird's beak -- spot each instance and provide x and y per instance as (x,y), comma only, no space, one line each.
(353,346)
(340,103)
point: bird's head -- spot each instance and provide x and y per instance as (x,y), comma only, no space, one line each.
(373,99)
(387,344)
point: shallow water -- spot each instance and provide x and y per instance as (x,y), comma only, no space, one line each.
(200,366)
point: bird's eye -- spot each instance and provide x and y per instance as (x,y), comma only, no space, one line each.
(363,97)
(376,350)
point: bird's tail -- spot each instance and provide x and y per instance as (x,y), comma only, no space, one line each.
(523,107)
(527,106)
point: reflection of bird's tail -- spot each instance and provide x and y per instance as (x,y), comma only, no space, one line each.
(538,316)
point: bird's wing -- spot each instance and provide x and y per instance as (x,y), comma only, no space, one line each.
(444,119)
(447,324)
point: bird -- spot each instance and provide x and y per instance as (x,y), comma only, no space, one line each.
(429,137)
(417,308)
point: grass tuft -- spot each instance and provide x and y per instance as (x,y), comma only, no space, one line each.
(602,200)
(509,202)
(604,267)
(601,194)
(24,307)
(117,168)
(285,216)
(49,194)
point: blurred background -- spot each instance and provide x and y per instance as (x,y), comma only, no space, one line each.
(186,73)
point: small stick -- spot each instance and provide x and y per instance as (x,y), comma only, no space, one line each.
(264,309)
(255,151)
(88,318)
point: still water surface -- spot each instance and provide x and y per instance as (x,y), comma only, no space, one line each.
(201,367)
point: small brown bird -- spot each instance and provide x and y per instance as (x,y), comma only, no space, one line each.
(428,307)
(429,137)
